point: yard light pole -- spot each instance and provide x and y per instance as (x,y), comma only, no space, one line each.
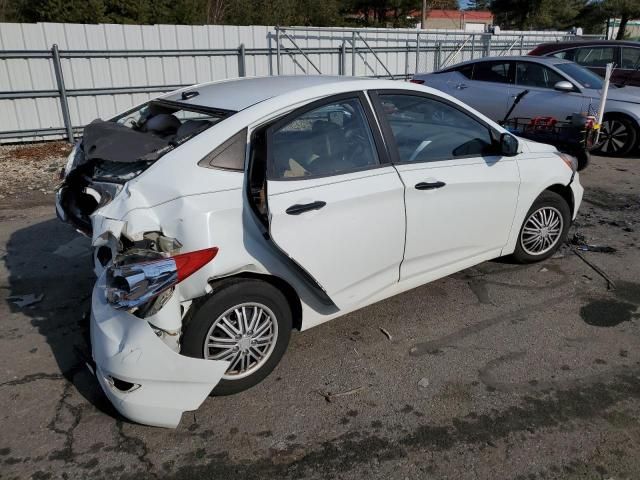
(423,17)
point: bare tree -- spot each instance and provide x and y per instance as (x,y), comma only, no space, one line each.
(215,11)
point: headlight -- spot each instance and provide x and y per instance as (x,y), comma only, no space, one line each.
(569,160)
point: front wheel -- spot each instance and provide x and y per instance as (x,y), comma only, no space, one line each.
(544,229)
(247,323)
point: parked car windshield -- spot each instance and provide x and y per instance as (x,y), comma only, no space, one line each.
(584,77)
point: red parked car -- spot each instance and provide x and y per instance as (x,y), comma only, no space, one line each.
(595,54)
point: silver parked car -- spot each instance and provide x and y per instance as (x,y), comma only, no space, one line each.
(557,88)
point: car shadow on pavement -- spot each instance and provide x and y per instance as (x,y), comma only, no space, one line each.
(53,260)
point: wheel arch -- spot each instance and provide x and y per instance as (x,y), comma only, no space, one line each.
(565,192)
(282,285)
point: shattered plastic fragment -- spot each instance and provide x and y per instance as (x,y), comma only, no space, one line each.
(25,300)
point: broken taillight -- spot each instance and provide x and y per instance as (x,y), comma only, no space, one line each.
(131,285)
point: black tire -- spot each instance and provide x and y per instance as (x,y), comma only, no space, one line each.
(226,296)
(550,201)
(618,136)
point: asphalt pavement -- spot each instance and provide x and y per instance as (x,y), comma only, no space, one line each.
(501,371)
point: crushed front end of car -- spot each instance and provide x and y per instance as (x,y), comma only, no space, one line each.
(146,278)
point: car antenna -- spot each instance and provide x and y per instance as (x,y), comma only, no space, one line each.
(516,101)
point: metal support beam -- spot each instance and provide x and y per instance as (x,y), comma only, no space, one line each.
(417,52)
(377,57)
(343,59)
(242,61)
(64,105)
(302,52)
(278,59)
(353,54)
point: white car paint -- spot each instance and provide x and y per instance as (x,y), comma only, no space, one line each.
(354,248)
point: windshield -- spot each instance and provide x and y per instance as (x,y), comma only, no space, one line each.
(584,77)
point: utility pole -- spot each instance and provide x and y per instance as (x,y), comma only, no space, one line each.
(423,18)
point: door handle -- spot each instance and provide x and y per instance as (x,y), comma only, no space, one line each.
(429,185)
(298,208)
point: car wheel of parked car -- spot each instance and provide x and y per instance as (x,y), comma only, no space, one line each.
(245,322)
(618,135)
(544,229)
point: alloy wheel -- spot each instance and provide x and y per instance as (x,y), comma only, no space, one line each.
(541,231)
(614,136)
(244,335)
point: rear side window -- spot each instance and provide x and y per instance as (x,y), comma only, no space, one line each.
(630,58)
(228,156)
(535,75)
(332,139)
(564,54)
(595,56)
(498,72)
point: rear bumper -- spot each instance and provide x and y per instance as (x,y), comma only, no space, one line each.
(164,383)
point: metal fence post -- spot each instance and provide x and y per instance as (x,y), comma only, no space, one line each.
(64,105)
(242,61)
(343,59)
(437,57)
(406,61)
(417,52)
(473,46)
(521,45)
(353,54)
(278,59)
(487,46)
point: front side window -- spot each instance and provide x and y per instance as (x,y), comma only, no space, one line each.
(630,58)
(584,77)
(497,72)
(329,140)
(535,75)
(595,56)
(427,130)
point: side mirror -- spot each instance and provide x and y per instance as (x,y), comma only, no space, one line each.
(563,86)
(508,145)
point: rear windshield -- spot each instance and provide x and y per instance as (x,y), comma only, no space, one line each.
(146,133)
(170,121)
(584,77)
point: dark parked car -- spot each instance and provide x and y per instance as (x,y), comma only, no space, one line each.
(595,54)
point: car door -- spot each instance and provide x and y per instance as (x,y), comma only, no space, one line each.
(543,99)
(628,73)
(460,196)
(487,89)
(335,203)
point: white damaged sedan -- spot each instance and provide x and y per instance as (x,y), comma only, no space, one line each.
(225,215)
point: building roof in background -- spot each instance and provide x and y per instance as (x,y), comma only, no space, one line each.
(468,15)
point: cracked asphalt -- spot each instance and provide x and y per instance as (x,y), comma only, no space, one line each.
(498,372)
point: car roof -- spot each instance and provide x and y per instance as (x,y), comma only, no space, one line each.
(555,46)
(526,58)
(240,93)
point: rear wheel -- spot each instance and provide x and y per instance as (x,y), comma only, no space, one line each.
(248,324)
(544,229)
(618,136)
